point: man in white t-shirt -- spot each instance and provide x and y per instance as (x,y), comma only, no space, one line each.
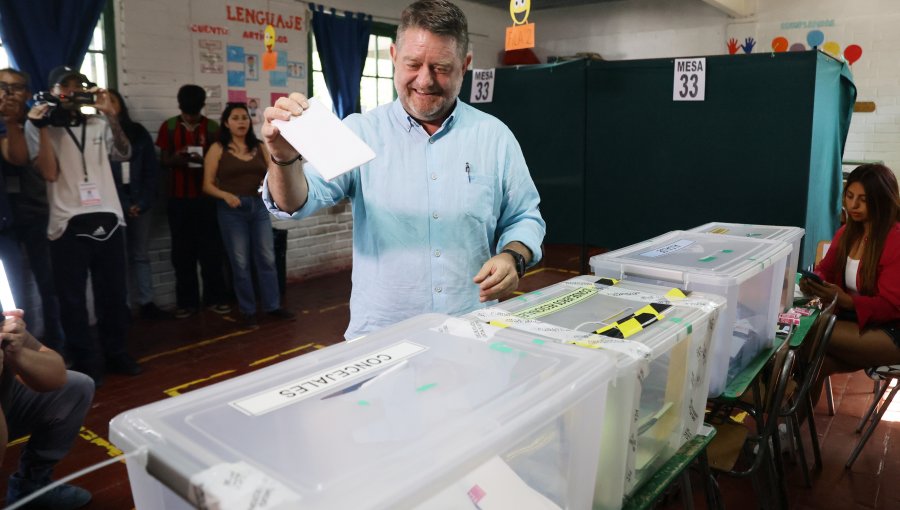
(72,151)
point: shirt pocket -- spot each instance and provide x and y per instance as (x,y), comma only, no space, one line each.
(480,199)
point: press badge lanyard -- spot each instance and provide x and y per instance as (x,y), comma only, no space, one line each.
(80,146)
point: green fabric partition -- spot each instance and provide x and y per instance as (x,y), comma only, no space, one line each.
(835,95)
(543,105)
(741,156)
(617,161)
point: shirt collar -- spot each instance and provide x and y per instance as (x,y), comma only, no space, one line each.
(408,123)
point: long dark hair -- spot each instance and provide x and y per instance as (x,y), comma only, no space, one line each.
(883,213)
(225,134)
(128,126)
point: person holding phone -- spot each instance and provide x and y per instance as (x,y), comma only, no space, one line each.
(862,269)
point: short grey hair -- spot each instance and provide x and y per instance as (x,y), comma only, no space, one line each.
(439,17)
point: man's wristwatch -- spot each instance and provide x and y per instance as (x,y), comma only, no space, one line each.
(519,260)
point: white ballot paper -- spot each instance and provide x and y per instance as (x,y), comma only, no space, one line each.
(325,141)
(6,297)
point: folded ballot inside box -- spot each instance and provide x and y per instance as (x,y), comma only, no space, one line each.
(429,405)
(747,272)
(660,338)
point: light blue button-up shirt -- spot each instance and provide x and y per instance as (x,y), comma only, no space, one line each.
(428,212)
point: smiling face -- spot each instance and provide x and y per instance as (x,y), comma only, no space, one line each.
(269,37)
(519,10)
(428,73)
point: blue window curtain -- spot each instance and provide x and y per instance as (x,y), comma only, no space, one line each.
(343,42)
(42,34)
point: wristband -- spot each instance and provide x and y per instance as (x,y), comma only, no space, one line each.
(285,163)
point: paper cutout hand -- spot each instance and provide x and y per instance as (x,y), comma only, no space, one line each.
(732,46)
(749,43)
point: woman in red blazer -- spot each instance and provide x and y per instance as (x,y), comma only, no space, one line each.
(863,268)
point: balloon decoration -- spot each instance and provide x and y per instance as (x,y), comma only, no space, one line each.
(852,53)
(779,44)
(815,38)
(832,48)
(797,47)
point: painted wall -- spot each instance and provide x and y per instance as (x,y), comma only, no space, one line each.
(634,29)
(157,52)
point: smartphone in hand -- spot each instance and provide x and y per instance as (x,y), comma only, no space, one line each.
(812,276)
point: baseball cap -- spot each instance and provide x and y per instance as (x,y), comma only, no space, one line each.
(60,74)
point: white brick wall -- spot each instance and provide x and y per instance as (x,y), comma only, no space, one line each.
(156,56)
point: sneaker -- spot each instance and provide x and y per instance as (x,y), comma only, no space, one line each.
(280,313)
(184,313)
(151,312)
(124,364)
(61,497)
(248,320)
(221,308)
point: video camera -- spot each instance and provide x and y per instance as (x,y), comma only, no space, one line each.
(79,98)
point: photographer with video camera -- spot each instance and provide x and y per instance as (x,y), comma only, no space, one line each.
(71,151)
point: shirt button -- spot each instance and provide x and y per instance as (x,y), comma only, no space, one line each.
(431,140)
(437,253)
(434,215)
(437,289)
(433,177)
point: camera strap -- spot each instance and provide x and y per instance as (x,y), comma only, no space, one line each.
(80,146)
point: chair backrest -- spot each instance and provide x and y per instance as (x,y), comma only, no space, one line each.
(782,366)
(812,354)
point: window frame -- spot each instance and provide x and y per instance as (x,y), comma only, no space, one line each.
(379,29)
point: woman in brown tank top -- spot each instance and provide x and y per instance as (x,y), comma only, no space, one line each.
(233,171)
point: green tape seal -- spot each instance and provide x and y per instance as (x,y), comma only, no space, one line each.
(425,387)
(727,251)
(538,341)
(707,259)
(363,403)
(501,347)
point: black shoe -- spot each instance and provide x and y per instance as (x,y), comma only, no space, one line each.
(151,312)
(184,313)
(220,308)
(124,364)
(280,313)
(248,321)
(62,497)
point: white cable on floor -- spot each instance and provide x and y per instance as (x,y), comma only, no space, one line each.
(77,474)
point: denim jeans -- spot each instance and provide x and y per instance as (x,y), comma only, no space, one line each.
(138,240)
(247,234)
(32,233)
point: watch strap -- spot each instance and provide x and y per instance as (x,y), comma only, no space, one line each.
(519,260)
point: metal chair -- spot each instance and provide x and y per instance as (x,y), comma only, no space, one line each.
(733,440)
(809,364)
(878,407)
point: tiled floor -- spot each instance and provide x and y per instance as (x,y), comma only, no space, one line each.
(180,356)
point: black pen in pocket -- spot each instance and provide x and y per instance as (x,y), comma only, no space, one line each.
(468,172)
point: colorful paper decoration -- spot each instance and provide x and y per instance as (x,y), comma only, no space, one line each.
(832,48)
(779,44)
(815,38)
(852,53)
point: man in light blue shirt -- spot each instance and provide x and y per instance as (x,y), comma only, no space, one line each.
(446,216)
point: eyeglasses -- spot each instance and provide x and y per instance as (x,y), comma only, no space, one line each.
(13,87)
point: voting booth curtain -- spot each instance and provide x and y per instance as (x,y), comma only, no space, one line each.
(764,147)
(342,42)
(43,34)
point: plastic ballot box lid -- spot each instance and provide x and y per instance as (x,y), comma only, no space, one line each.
(388,421)
(693,257)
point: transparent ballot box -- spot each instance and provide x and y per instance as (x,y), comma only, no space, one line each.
(424,414)
(660,339)
(747,272)
(790,235)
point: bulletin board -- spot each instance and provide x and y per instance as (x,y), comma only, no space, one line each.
(237,60)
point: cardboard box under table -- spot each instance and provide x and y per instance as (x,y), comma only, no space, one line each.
(660,338)
(433,412)
(748,273)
